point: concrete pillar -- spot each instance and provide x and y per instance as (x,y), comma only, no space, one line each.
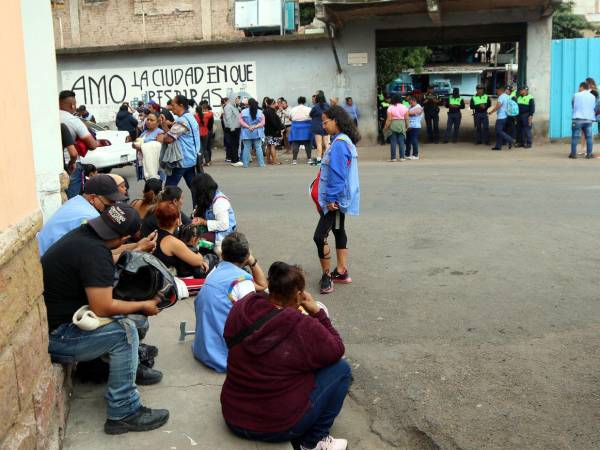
(74,17)
(206,15)
(42,89)
(539,47)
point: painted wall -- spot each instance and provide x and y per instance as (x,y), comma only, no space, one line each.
(17,175)
(573,60)
(43,102)
(288,69)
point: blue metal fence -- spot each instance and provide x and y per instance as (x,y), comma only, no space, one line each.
(573,60)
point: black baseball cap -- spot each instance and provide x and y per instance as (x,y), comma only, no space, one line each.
(106,186)
(116,221)
(479,86)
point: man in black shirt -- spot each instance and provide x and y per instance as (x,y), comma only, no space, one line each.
(79,270)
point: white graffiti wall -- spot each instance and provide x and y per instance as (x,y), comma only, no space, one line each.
(104,90)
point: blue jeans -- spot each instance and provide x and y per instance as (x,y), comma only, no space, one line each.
(248,144)
(452,126)
(188,174)
(397,139)
(75,181)
(577,127)
(501,135)
(326,401)
(412,141)
(118,339)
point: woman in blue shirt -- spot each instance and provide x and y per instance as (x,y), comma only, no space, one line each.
(321,136)
(415,113)
(338,194)
(150,134)
(252,121)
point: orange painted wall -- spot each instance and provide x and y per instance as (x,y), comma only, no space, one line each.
(18,196)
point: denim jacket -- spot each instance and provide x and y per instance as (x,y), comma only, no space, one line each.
(339,180)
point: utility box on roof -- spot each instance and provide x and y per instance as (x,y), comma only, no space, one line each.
(263,16)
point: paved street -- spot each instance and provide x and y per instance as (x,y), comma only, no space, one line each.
(472,322)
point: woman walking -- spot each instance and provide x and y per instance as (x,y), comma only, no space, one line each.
(273,129)
(415,113)
(204,117)
(396,125)
(321,136)
(252,121)
(338,194)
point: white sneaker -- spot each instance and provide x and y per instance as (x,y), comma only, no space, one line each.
(392,160)
(402,159)
(415,158)
(329,443)
(294,162)
(238,164)
(310,162)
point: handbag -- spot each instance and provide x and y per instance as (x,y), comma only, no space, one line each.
(238,338)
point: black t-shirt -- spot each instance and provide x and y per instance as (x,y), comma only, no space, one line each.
(65,135)
(149,224)
(78,260)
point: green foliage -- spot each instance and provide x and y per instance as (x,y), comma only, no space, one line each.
(307,13)
(566,25)
(392,61)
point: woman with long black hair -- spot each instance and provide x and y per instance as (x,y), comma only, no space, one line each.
(321,136)
(213,209)
(337,194)
(252,121)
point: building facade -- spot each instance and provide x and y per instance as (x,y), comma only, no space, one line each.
(32,395)
(195,49)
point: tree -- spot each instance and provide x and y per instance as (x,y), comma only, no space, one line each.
(392,61)
(566,24)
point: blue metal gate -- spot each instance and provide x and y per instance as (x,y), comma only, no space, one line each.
(573,60)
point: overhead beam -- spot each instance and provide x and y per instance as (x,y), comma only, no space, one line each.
(433,9)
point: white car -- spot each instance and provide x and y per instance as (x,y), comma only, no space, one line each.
(113,151)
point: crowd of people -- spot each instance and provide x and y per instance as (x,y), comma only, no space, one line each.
(286,378)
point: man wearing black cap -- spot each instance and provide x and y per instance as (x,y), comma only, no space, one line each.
(480,103)
(455,103)
(511,122)
(431,106)
(525,120)
(78,271)
(100,191)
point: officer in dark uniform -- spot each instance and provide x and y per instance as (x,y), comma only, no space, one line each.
(525,120)
(480,103)
(455,103)
(431,107)
(382,107)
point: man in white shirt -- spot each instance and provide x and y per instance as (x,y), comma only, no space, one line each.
(300,132)
(68,106)
(231,127)
(584,116)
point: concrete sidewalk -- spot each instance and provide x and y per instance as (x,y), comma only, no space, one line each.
(191,392)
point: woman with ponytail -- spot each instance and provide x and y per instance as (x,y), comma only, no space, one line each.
(152,188)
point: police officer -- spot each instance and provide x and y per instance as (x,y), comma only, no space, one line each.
(382,107)
(511,128)
(455,104)
(431,107)
(525,120)
(480,103)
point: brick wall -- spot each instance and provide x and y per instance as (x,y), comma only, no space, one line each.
(32,394)
(96,23)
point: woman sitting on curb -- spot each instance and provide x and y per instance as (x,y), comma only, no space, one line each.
(286,380)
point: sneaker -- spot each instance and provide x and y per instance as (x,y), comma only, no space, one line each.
(402,159)
(415,158)
(294,162)
(343,278)
(146,376)
(227,160)
(392,160)
(144,419)
(326,285)
(238,164)
(573,156)
(589,156)
(310,162)
(329,443)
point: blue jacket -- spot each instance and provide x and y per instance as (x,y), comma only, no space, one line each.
(212,306)
(210,215)
(339,176)
(189,142)
(258,133)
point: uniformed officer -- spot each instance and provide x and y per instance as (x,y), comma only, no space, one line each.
(525,120)
(431,107)
(480,103)
(383,104)
(455,104)
(511,122)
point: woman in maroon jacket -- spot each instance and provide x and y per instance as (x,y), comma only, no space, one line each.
(286,380)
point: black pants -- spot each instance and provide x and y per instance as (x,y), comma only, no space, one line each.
(482,127)
(330,221)
(296,148)
(432,121)
(206,147)
(453,124)
(510,127)
(233,144)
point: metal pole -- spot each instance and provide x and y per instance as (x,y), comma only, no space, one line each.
(281,17)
